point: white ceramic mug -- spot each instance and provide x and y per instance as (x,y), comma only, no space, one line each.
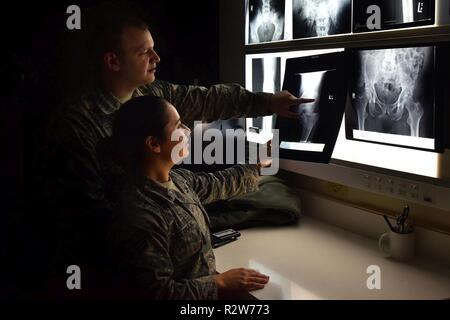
(398,246)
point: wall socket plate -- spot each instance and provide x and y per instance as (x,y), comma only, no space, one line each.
(410,191)
(413,191)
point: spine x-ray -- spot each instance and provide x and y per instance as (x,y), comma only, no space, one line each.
(392,93)
(266,20)
(318,18)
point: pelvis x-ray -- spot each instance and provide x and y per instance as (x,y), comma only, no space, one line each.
(318,18)
(266,20)
(393,91)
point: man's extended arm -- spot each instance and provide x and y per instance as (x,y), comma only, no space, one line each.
(223,101)
(218,102)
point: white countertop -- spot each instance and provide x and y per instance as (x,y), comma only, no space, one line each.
(314,260)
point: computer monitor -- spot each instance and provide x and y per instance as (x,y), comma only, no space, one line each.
(264,73)
(396,97)
(313,135)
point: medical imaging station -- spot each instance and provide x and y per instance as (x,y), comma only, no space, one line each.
(225,150)
(373,146)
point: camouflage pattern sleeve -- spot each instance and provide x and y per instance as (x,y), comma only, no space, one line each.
(218,102)
(72,185)
(73,162)
(143,249)
(224,184)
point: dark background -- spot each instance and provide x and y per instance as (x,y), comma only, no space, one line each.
(40,65)
(41,68)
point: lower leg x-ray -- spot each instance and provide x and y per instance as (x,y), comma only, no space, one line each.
(393,96)
(317,74)
(310,86)
(303,135)
(322,77)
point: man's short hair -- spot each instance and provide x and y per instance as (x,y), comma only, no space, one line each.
(105,25)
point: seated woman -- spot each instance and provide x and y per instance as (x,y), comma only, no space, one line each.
(161,233)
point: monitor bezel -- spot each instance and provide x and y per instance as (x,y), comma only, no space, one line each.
(321,62)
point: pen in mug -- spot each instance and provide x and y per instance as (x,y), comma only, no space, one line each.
(389,223)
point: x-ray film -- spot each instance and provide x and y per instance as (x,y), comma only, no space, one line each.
(393,97)
(318,18)
(266,77)
(312,136)
(266,74)
(393,14)
(304,137)
(266,20)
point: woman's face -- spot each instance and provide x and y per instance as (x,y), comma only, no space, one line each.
(175,146)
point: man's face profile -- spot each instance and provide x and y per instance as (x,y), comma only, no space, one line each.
(138,59)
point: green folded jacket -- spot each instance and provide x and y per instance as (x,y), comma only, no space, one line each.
(275,203)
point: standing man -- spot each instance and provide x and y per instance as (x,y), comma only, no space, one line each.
(80,191)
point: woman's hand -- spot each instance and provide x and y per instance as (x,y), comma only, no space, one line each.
(241,279)
(266,163)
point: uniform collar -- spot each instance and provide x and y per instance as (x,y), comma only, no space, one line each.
(108,103)
(160,191)
(154,188)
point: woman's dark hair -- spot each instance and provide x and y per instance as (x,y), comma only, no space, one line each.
(136,120)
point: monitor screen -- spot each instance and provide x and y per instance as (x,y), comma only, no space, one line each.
(393,97)
(320,18)
(265,20)
(312,136)
(393,14)
(264,73)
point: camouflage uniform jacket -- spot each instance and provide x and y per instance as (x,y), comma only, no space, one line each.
(75,182)
(161,236)
(75,132)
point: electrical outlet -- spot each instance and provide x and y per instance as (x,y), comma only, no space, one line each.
(398,188)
